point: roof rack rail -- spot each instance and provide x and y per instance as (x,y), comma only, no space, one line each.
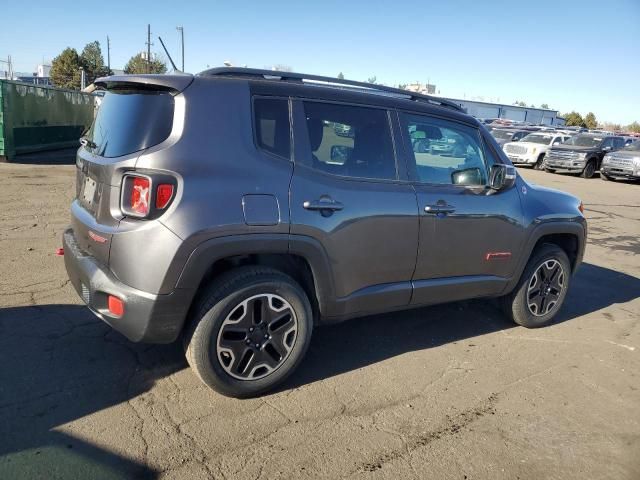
(301,77)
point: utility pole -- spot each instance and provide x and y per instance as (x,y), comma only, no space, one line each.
(148,48)
(108,55)
(181,30)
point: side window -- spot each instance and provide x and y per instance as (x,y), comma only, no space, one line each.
(618,143)
(445,152)
(608,142)
(350,141)
(272,127)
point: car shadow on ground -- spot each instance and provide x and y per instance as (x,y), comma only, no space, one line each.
(364,341)
(60,364)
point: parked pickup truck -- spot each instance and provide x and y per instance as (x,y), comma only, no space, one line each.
(532,148)
(624,163)
(582,154)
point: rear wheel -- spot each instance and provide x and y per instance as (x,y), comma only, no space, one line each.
(250,331)
(542,288)
(539,165)
(589,169)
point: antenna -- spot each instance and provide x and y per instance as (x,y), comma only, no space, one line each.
(167,52)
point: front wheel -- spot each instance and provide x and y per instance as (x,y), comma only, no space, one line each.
(589,169)
(539,165)
(542,288)
(250,331)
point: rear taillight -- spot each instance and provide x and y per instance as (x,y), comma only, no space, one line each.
(144,196)
(164,192)
(136,195)
(140,193)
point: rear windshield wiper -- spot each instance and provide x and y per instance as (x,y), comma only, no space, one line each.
(85,142)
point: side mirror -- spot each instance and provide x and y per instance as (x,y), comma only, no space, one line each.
(502,176)
(557,142)
(608,148)
(468,176)
(340,154)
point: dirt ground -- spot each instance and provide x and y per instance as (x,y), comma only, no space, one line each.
(452,391)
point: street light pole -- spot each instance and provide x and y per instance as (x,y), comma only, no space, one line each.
(181,30)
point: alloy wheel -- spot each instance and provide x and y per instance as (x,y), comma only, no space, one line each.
(256,337)
(545,288)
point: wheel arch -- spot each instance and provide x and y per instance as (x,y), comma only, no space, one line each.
(568,235)
(300,257)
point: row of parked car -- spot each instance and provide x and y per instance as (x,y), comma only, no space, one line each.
(559,149)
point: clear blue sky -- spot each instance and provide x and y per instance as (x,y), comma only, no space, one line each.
(581,55)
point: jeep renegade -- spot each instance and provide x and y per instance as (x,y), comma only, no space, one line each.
(237,209)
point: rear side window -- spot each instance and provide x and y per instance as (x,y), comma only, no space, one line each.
(272,127)
(129,121)
(350,141)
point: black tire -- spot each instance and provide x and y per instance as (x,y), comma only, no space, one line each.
(516,305)
(589,169)
(539,165)
(228,294)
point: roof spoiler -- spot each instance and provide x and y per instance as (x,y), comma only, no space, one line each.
(173,83)
(330,81)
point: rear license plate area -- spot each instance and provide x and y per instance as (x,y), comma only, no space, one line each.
(88,190)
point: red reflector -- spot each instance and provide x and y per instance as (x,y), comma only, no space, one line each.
(497,256)
(163,195)
(60,252)
(140,195)
(116,306)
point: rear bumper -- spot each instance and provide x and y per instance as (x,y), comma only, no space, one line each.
(146,318)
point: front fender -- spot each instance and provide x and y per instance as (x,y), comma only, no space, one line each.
(578,228)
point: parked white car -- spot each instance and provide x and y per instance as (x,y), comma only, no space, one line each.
(530,150)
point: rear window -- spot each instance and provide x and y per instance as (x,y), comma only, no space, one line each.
(271,121)
(129,121)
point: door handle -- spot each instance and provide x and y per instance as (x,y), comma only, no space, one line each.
(323,205)
(440,208)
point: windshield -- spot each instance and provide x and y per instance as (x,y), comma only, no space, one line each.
(584,141)
(502,134)
(129,121)
(538,138)
(633,147)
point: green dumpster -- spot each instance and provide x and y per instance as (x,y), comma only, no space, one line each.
(35,118)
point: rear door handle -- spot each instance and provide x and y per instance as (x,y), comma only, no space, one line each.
(440,209)
(322,205)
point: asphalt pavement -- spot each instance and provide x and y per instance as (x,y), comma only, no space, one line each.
(451,391)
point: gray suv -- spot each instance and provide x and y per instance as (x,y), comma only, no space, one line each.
(225,210)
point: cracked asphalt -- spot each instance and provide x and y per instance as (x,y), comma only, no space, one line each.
(452,391)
